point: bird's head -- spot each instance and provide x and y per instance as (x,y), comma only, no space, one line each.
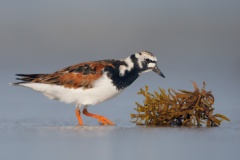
(146,62)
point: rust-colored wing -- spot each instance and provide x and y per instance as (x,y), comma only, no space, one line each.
(80,75)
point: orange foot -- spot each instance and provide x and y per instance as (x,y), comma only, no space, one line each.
(101,119)
(78,114)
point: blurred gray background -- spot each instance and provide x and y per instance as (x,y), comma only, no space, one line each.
(193,41)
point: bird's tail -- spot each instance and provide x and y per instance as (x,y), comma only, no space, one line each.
(25,78)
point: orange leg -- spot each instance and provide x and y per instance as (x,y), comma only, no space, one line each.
(78,114)
(103,120)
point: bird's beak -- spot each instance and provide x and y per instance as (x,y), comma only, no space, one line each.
(158,71)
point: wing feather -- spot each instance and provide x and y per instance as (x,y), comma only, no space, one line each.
(79,75)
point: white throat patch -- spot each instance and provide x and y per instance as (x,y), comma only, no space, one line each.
(123,68)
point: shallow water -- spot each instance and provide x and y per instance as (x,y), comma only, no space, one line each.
(39,139)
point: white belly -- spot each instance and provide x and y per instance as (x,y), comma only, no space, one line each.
(102,90)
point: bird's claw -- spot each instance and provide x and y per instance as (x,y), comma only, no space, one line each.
(104,121)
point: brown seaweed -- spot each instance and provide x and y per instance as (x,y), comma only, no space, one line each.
(183,108)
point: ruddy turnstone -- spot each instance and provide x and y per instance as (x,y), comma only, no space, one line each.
(90,83)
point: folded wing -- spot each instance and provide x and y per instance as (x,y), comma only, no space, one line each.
(76,76)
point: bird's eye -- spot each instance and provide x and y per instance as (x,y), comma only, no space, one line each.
(148,60)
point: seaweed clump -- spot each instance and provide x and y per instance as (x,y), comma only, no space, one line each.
(183,108)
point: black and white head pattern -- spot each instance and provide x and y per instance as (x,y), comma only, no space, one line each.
(146,61)
(142,62)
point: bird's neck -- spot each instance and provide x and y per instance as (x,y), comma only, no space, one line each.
(124,73)
(121,82)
